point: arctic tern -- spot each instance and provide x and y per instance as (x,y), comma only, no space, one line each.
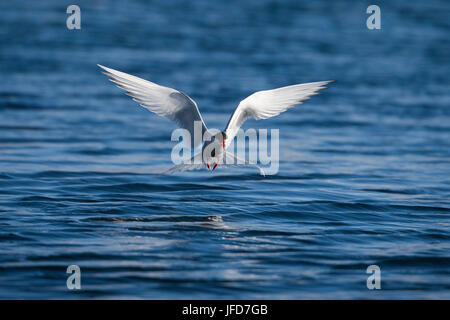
(181,109)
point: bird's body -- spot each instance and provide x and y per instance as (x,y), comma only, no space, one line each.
(180,108)
(213,151)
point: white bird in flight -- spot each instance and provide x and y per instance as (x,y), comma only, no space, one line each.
(180,108)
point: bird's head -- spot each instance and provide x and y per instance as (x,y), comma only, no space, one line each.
(221,137)
(214,154)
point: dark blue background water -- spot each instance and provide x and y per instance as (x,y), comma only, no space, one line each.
(364,178)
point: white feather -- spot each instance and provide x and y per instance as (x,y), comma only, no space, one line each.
(269,103)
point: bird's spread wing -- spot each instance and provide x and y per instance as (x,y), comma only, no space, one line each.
(164,101)
(269,103)
(194,163)
(234,160)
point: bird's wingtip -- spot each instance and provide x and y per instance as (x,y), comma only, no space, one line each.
(101,66)
(327,82)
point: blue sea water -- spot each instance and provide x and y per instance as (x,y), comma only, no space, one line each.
(364,176)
